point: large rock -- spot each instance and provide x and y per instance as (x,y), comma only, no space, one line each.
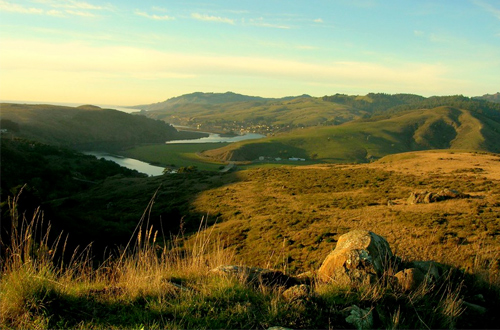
(359,257)
(431,197)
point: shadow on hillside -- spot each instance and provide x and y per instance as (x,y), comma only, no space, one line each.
(109,214)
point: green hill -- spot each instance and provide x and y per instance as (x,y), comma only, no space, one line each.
(83,127)
(364,140)
(252,114)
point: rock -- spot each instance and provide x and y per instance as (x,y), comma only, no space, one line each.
(431,197)
(475,308)
(306,277)
(297,292)
(431,269)
(257,275)
(410,278)
(360,318)
(359,257)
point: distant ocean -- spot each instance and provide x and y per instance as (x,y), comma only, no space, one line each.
(104,106)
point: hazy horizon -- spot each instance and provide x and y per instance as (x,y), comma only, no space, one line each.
(129,53)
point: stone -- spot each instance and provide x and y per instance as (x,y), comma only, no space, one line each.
(475,308)
(297,292)
(360,257)
(431,269)
(431,197)
(360,318)
(410,279)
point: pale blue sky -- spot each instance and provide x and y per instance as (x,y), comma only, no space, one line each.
(133,52)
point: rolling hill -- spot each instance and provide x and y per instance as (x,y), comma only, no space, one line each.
(83,127)
(236,111)
(364,140)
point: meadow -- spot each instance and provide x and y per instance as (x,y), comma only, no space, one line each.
(176,155)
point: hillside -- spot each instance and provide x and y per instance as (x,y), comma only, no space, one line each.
(200,98)
(287,219)
(84,127)
(231,112)
(365,140)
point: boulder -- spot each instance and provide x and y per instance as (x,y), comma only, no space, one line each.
(297,292)
(431,269)
(410,278)
(431,197)
(359,257)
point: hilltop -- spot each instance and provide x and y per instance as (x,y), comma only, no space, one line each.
(85,127)
(490,97)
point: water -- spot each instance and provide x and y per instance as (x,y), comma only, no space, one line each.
(130,163)
(212,137)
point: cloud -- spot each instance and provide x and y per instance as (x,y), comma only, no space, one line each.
(15,8)
(203,17)
(418,33)
(129,62)
(154,16)
(318,20)
(488,7)
(261,23)
(71,8)
(70,4)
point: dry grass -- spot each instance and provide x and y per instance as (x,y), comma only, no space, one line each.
(287,219)
(309,207)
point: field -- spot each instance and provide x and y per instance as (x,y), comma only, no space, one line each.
(296,214)
(176,155)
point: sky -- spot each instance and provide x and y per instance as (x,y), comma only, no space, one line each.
(139,52)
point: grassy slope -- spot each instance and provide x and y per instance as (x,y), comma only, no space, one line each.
(84,126)
(299,111)
(438,128)
(287,218)
(176,154)
(291,217)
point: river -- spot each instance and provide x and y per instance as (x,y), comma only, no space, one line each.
(130,163)
(212,137)
(152,170)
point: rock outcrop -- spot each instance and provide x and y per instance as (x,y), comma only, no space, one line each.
(431,197)
(359,257)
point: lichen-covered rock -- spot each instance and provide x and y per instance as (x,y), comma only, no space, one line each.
(431,197)
(359,257)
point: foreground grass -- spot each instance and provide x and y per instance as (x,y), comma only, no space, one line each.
(171,286)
